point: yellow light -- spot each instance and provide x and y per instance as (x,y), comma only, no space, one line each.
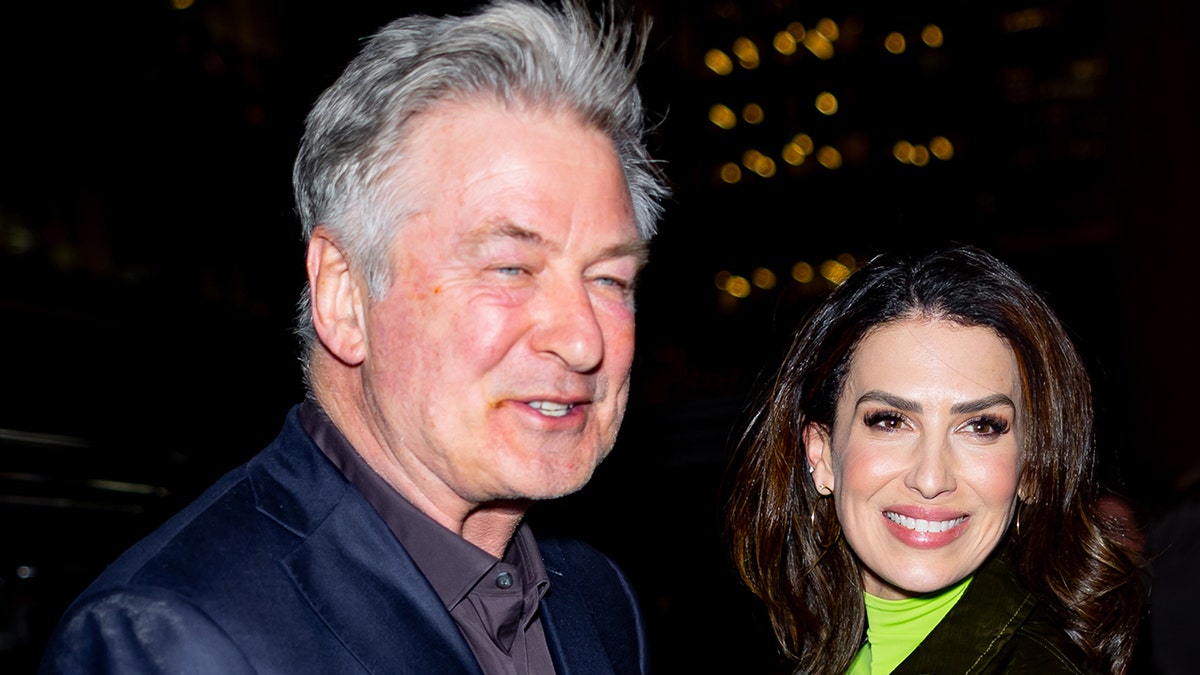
(805,142)
(827,103)
(941,147)
(796,30)
(747,52)
(902,151)
(829,29)
(722,116)
(803,272)
(848,260)
(765,167)
(752,113)
(731,173)
(894,43)
(919,156)
(718,62)
(829,157)
(181,4)
(819,45)
(834,271)
(738,287)
(932,36)
(758,163)
(785,43)
(793,154)
(1025,19)
(722,279)
(763,278)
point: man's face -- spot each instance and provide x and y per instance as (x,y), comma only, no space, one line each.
(498,361)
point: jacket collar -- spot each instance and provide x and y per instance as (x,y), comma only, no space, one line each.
(366,588)
(978,627)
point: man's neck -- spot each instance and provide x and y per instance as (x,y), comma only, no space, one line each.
(490,526)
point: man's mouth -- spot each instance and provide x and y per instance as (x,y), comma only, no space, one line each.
(551,408)
(922,525)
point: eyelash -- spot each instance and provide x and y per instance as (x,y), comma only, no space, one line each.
(999,427)
(874,419)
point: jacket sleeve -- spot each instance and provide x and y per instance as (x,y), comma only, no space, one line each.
(140,631)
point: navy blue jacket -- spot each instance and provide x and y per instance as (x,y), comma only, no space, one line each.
(283,567)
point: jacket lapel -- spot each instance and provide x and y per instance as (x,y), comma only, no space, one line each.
(350,569)
(575,645)
(374,599)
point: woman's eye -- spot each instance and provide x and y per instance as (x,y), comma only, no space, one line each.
(987,426)
(885,421)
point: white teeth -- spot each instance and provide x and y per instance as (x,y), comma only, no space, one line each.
(922,525)
(551,409)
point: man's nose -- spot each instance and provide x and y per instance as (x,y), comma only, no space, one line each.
(567,328)
(932,472)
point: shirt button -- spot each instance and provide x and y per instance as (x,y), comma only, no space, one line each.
(504,580)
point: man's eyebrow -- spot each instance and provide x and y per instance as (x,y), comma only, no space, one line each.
(638,249)
(635,248)
(503,230)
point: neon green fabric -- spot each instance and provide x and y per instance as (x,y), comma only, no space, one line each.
(896,627)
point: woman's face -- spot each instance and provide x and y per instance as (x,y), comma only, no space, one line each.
(924,457)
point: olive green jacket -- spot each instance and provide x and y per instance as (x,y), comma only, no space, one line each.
(996,627)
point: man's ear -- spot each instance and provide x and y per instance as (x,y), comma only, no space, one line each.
(819,452)
(337,297)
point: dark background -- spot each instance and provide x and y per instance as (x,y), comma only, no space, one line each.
(150,257)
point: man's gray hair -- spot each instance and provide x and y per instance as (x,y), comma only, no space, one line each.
(349,173)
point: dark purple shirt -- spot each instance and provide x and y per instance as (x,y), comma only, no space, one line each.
(494,602)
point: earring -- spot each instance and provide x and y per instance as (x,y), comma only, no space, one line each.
(824,490)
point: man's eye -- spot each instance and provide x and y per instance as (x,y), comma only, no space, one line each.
(510,271)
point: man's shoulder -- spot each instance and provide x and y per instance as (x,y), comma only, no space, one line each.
(247,517)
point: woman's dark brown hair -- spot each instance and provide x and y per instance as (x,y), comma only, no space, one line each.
(785,539)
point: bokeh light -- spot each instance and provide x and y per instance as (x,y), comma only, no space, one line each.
(827,103)
(834,272)
(829,157)
(718,62)
(803,272)
(763,278)
(738,287)
(746,52)
(785,43)
(941,147)
(752,113)
(932,36)
(722,116)
(895,43)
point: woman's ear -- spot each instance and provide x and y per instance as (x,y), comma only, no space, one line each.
(819,453)
(337,300)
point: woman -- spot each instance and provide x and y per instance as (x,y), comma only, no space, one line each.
(917,489)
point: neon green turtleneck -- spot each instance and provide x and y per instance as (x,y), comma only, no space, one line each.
(896,627)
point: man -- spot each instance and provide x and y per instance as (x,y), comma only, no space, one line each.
(477,202)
